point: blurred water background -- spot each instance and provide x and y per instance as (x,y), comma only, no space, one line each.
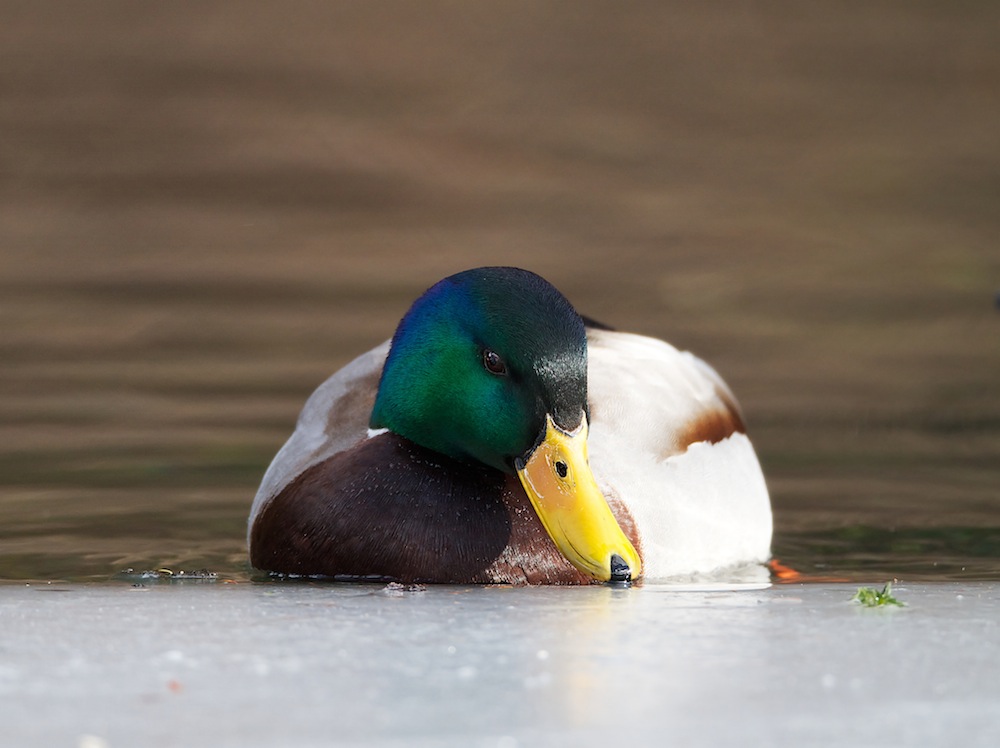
(207,208)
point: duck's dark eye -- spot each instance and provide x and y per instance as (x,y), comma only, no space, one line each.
(493,363)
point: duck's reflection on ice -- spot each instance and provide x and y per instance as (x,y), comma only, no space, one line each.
(543,660)
(648,653)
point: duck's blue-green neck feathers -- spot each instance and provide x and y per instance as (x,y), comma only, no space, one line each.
(477,363)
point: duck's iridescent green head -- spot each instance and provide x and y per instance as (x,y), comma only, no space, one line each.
(479,361)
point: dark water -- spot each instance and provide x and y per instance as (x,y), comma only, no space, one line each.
(205,211)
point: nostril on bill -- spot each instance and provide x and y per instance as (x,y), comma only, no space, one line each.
(619,569)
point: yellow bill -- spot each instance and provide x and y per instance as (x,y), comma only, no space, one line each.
(562,489)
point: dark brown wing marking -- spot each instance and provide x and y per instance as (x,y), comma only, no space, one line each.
(712,426)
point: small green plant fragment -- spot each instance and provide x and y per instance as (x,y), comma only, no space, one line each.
(872,598)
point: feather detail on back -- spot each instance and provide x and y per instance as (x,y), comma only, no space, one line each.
(667,439)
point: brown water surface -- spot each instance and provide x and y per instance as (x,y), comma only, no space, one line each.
(205,209)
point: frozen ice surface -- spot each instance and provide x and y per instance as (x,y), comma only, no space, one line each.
(342,665)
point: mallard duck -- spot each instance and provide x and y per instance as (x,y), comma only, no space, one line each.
(501,438)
